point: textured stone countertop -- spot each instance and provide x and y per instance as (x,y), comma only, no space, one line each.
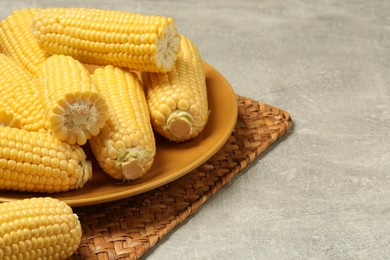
(323,192)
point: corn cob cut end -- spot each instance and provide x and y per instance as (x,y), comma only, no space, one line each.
(75,120)
(167,47)
(132,170)
(134,163)
(137,168)
(181,126)
(126,163)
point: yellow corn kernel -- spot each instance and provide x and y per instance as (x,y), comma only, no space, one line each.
(125,148)
(23,167)
(19,94)
(17,39)
(101,37)
(8,119)
(177,99)
(74,109)
(38,228)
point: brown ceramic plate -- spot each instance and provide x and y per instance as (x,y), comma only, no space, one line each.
(172,160)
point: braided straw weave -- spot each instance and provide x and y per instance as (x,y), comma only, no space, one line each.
(128,228)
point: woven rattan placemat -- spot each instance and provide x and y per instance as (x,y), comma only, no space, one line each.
(128,228)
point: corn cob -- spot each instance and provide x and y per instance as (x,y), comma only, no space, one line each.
(39,162)
(125,148)
(74,109)
(8,119)
(38,228)
(101,37)
(19,94)
(177,100)
(18,41)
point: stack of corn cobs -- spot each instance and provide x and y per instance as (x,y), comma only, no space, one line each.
(52,103)
(149,79)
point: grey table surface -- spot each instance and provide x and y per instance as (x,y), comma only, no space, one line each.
(323,192)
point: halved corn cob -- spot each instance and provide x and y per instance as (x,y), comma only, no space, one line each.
(39,162)
(125,148)
(38,228)
(177,99)
(101,37)
(8,119)
(19,94)
(18,41)
(74,109)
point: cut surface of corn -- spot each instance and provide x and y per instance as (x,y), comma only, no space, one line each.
(18,41)
(38,228)
(177,99)
(74,109)
(125,147)
(101,37)
(19,94)
(39,162)
(8,119)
